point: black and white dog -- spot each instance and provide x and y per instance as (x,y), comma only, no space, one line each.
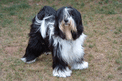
(60,32)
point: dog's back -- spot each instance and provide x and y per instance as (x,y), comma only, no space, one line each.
(46,11)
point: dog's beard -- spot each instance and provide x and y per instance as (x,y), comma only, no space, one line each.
(67,28)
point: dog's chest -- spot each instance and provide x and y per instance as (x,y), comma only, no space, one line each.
(71,51)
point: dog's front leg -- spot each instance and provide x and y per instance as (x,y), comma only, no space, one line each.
(60,67)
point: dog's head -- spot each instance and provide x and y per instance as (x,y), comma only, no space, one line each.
(68,23)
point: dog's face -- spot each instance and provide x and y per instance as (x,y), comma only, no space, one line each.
(68,23)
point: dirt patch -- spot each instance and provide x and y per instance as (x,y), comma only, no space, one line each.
(11,50)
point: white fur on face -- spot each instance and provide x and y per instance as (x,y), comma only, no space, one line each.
(66,13)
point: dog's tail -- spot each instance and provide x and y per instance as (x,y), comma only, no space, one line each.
(43,25)
(45,18)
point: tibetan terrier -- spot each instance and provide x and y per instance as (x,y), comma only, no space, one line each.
(61,33)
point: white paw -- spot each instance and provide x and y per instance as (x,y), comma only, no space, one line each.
(47,53)
(83,65)
(59,73)
(24,60)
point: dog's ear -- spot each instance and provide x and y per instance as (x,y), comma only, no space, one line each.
(80,27)
(75,35)
(78,20)
(79,23)
(57,31)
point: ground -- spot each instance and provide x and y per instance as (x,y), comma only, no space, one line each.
(102,20)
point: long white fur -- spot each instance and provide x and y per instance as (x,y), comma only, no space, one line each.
(51,30)
(59,73)
(43,25)
(71,51)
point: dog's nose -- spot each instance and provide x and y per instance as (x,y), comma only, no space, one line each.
(65,20)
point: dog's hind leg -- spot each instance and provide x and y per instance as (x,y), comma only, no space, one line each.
(35,48)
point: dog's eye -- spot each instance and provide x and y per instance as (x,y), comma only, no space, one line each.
(71,14)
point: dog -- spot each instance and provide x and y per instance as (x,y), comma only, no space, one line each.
(61,33)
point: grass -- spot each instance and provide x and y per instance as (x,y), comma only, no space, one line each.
(103,47)
(108,7)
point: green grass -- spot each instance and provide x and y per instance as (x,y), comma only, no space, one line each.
(92,45)
(15,7)
(108,7)
(110,76)
(118,30)
(103,45)
(119,68)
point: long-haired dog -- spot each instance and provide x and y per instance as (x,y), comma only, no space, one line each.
(60,32)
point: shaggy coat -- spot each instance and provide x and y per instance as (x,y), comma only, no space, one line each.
(61,33)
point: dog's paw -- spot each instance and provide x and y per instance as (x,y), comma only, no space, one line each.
(81,66)
(25,60)
(47,53)
(62,73)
